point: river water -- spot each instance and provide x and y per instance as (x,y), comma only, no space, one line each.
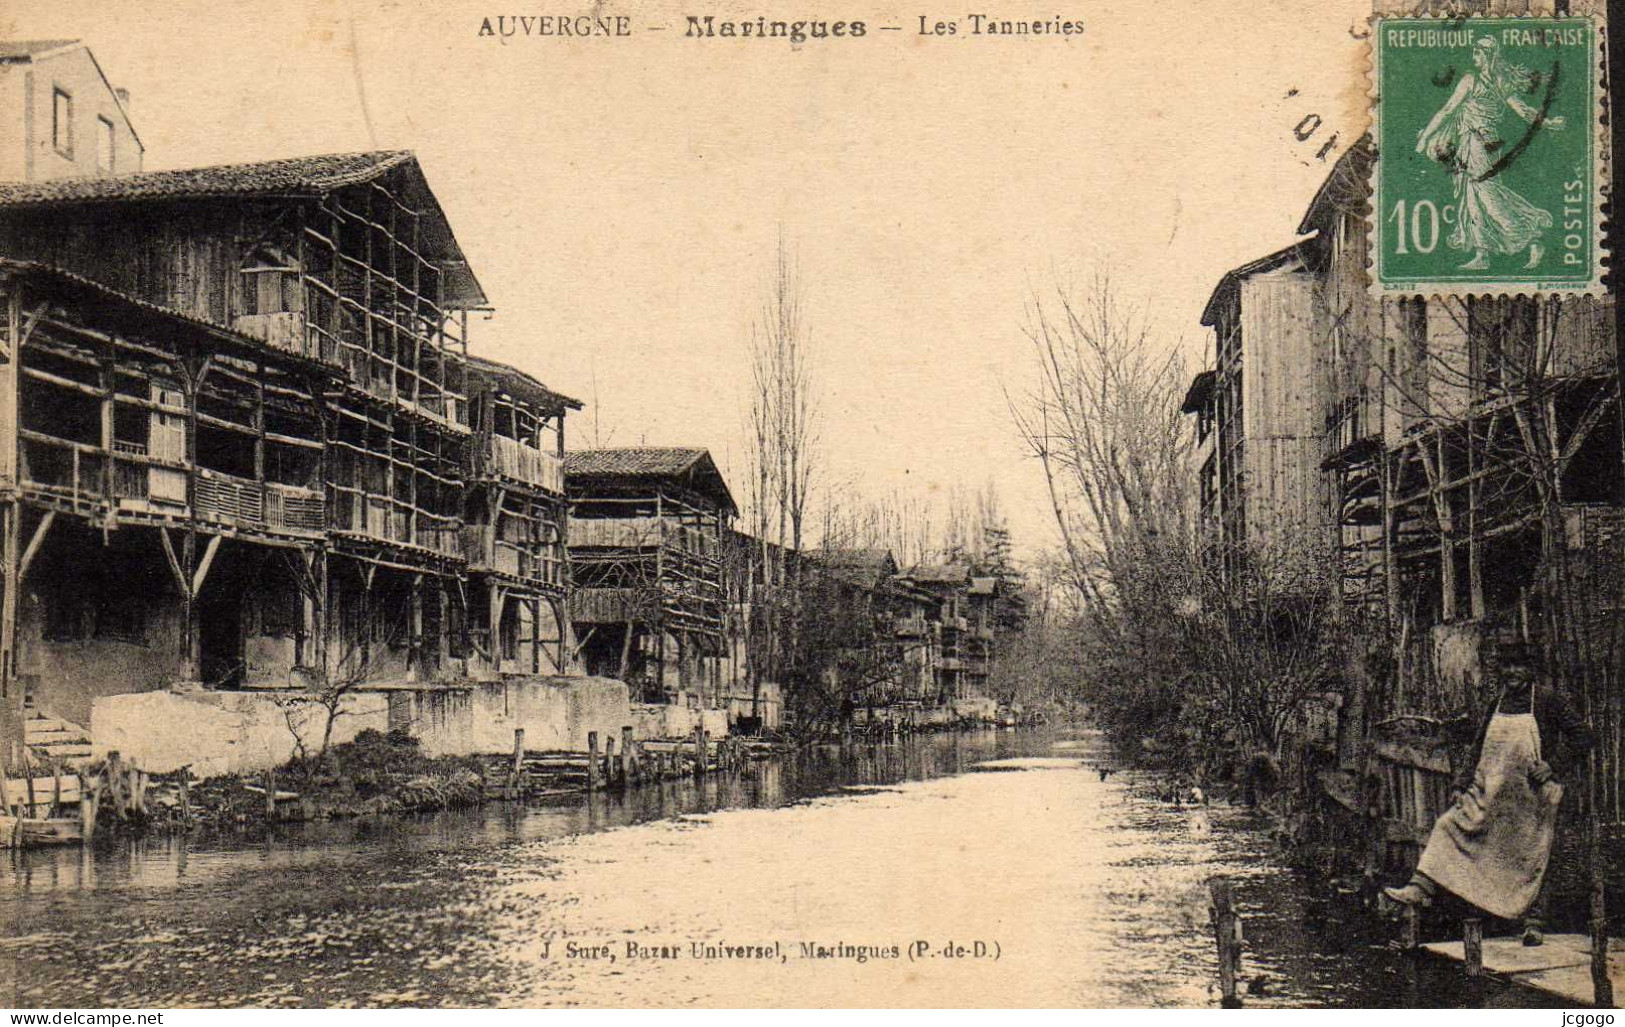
(983,869)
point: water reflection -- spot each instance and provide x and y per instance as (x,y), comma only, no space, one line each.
(1090,892)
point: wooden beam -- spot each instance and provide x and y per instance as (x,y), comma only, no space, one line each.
(173,561)
(203,565)
(34,544)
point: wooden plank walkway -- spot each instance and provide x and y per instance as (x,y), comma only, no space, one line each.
(1561,967)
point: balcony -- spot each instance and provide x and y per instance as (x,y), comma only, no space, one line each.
(488,554)
(641,533)
(285,332)
(267,506)
(396,522)
(511,459)
(911,627)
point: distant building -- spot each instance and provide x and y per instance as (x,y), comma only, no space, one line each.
(60,117)
(949,587)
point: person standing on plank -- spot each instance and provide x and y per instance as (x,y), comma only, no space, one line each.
(1492,846)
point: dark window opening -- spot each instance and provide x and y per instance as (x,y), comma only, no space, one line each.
(62,122)
(104,146)
(226,451)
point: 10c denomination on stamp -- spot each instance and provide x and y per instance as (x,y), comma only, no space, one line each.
(1489,176)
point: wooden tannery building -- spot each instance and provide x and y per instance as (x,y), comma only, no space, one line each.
(1457,462)
(243,443)
(647,533)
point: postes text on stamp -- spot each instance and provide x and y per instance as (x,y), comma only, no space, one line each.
(1487,175)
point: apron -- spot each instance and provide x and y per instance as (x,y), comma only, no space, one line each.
(1491,847)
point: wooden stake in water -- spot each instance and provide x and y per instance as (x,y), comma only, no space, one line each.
(1227,932)
(626,755)
(592,761)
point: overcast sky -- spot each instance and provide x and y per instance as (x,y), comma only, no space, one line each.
(620,198)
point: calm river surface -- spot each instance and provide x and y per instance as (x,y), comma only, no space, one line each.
(1088,892)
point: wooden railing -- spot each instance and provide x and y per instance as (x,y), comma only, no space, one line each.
(271,506)
(488,553)
(379,517)
(509,458)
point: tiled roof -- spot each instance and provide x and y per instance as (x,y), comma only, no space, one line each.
(300,176)
(23,49)
(681,465)
(636,462)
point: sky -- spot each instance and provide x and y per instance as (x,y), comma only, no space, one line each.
(620,198)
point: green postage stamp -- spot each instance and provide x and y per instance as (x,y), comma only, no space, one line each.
(1489,171)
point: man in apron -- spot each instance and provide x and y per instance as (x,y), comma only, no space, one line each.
(1491,848)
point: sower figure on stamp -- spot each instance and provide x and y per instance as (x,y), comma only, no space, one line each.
(1493,845)
(1490,215)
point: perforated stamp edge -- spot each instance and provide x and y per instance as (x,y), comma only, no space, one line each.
(1602,184)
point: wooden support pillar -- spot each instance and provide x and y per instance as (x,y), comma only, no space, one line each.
(414,652)
(626,756)
(518,761)
(592,761)
(1472,946)
(609,762)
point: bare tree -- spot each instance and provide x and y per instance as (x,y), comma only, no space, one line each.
(783,457)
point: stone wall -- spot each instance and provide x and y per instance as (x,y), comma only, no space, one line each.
(222,732)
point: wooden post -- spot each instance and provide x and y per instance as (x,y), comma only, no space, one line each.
(518,762)
(609,762)
(699,751)
(1472,946)
(1227,932)
(626,755)
(1410,927)
(270,796)
(1602,985)
(90,793)
(592,761)
(56,789)
(186,794)
(138,790)
(112,776)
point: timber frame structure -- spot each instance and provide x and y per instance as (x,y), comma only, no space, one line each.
(1473,467)
(646,542)
(263,370)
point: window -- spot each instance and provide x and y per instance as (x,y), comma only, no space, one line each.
(104,146)
(62,122)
